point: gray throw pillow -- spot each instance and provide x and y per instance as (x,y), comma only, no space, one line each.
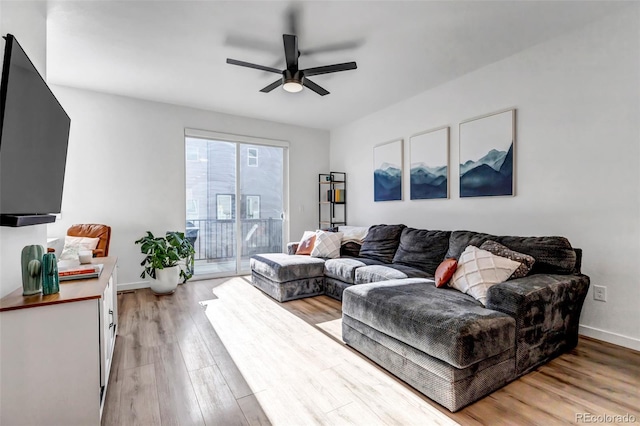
(526,261)
(381,242)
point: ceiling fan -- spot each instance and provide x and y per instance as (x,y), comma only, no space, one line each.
(293,79)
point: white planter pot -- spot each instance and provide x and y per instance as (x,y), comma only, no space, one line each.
(166,280)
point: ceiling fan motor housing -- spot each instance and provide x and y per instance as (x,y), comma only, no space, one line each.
(292,77)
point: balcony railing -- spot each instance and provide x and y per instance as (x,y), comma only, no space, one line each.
(215,239)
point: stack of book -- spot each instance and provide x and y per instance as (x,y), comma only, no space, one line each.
(336,195)
(80,272)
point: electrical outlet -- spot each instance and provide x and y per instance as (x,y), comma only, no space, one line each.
(600,293)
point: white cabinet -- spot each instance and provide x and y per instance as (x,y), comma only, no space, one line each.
(56,350)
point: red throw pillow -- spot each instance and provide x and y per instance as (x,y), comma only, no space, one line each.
(305,247)
(445,271)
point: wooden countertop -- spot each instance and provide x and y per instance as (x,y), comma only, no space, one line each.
(70,291)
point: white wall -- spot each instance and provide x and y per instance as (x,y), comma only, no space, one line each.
(126,167)
(577,158)
(27,22)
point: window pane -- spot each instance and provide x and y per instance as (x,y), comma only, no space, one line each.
(261,186)
(211,188)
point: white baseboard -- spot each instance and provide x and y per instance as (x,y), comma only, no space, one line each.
(608,336)
(133,286)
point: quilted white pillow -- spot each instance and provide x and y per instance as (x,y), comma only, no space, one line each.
(73,245)
(327,245)
(478,270)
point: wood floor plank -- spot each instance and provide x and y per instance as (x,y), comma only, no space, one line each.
(232,375)
(179,403)
(111,410)
(222,352)
(253,412)
(386,398)
(217,403)
(354,413)
(195,352)
(285,407)
(139,398)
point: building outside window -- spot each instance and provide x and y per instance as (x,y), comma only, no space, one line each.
(252,157)
(225,206)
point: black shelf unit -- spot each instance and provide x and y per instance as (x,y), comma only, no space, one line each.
(332,201)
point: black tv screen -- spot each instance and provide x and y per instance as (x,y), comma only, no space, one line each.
(34,134)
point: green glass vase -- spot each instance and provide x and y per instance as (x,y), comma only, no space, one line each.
(32,269)
(50,280)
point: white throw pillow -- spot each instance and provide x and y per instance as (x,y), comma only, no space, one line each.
(327,245)
(73,245)
(478,270)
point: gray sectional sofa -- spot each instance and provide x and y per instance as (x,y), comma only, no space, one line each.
(444,343)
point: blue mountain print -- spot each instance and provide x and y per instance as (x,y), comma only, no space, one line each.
(387,183)
(428,182)
(491,175)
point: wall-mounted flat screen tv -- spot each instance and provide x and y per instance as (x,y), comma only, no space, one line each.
(34,134)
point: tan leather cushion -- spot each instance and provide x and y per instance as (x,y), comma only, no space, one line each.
(92,230)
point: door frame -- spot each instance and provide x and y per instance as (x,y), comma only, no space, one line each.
(251,140)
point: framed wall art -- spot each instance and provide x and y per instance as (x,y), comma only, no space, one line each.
(429,164)
(387,171)
(487,155)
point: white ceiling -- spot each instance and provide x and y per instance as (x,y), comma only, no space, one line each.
(175,51)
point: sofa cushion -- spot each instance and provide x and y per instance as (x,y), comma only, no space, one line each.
(376,273)
(280,267)
(381,242)
(344,269)
(440,322)
(526,261)
(422,249)
(553,255)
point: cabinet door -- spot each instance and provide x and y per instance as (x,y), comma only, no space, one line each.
(107,332)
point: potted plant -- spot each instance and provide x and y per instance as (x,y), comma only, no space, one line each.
(164,256)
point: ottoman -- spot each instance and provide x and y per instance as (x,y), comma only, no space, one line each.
(287,277)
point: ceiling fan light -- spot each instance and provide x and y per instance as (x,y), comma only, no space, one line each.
(292,86)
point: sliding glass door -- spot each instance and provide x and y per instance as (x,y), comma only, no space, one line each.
(235,199)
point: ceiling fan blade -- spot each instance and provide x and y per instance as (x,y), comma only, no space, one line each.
(311,85)
(330,68)
(291,51)
(347,45)
(250,65)
(272,86)
(247,42)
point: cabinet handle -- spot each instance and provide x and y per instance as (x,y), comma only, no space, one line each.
(111,325)
(110,311)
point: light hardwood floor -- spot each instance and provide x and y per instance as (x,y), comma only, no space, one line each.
(220,352)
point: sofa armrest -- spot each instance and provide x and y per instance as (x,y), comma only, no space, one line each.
(547,309)
(292,248)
